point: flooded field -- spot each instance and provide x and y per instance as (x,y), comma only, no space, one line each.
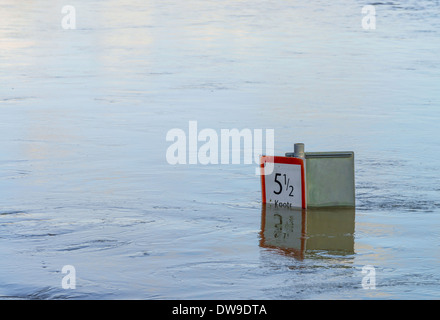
(85,181)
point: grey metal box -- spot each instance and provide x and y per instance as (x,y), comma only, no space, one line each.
(330,179)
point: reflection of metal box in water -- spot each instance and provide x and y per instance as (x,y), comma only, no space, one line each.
(329,177)
(296,232)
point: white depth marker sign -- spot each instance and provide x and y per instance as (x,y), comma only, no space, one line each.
(285,186)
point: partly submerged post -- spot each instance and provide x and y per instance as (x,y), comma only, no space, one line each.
(298,150)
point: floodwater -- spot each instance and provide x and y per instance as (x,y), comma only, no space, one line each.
(85,182)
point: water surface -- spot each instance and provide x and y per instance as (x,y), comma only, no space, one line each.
(84,179)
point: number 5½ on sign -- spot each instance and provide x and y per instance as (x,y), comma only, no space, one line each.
(284,184)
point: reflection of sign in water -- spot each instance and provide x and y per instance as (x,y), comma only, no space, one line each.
(295,232)
(285,185)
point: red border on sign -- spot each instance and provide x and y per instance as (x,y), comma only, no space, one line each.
(285,160)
